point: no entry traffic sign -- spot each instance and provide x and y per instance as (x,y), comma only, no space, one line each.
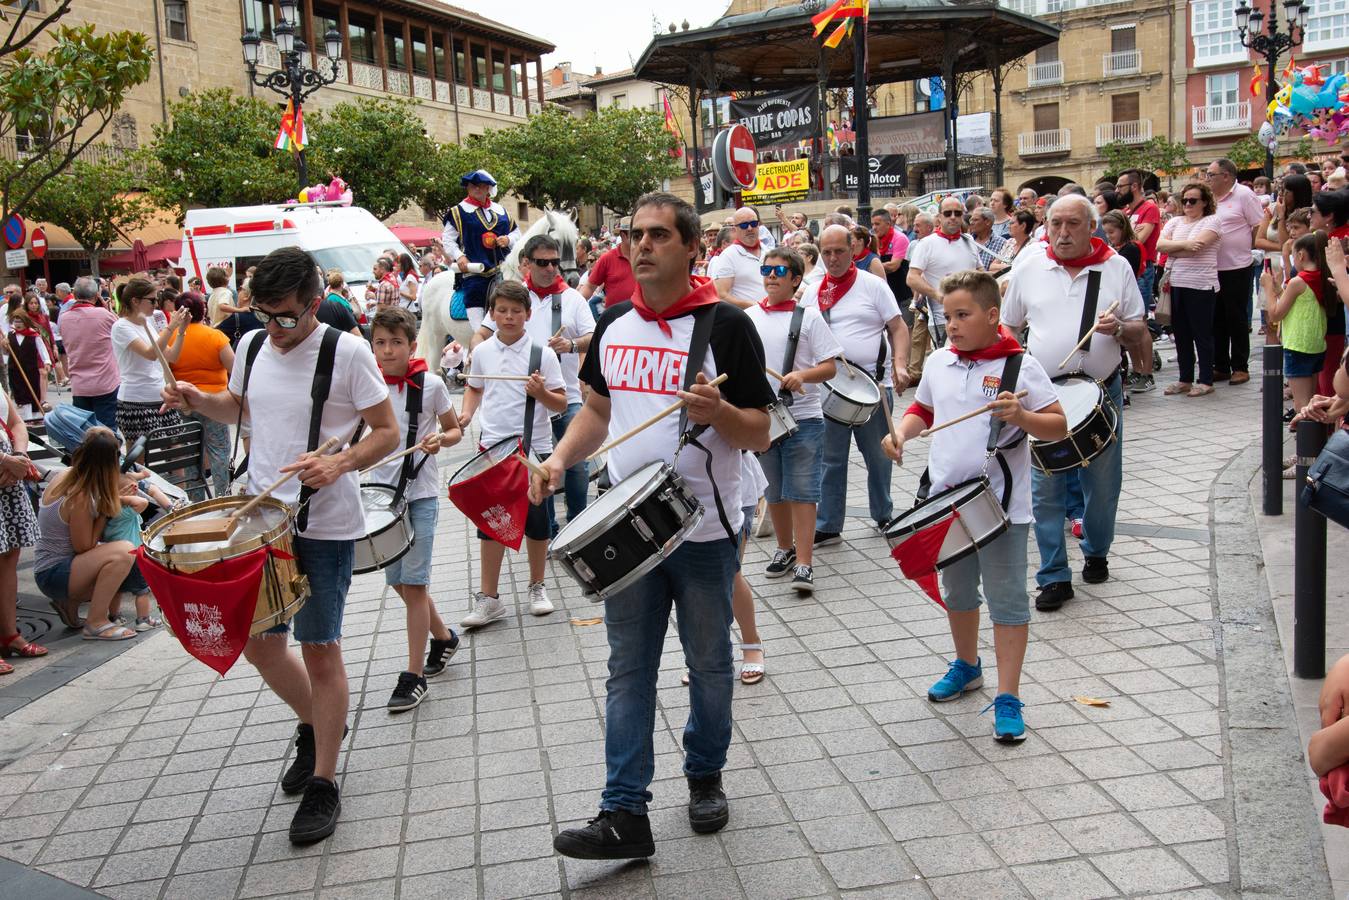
(39,243)
(734,161)
(15,231)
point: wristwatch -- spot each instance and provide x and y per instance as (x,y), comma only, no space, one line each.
(1119,328)
(573,347)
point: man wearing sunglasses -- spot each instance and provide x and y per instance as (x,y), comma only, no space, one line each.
(286,363)
(943,252)
(735,270)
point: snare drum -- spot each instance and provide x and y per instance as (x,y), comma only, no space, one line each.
(850,397)
(1092,426)
(283,590)
(388,536)
(981,520)
(627,531)
(781,423)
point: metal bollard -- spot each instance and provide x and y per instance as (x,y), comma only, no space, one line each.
(1309,565)
(1272,429)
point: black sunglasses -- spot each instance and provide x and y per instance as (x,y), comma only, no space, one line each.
(1190,201)
(547,263)
(948,213)
(780,271)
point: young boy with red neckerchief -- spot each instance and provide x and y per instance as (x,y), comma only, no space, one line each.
(960,378)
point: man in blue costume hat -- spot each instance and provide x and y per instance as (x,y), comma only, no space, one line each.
(478,230)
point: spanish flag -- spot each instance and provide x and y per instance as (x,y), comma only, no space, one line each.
(844,10)
(292,135)
(1257,81)
(672,126)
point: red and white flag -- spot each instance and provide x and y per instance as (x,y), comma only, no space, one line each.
(496,500)
(917,556)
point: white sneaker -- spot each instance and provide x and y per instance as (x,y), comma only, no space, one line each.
(485,611)
(539,604)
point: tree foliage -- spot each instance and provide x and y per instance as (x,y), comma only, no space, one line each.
(62,98)
(440,188)
(95,203)
(1247,153)
(1158,155)
(378,146)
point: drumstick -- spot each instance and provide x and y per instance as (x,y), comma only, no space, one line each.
(534,468)
(846,365)
(37,401)
(673,407)
(1086,338)
(169,377)
(399,455)
(772,374)
(889,417)
(500,377)
(987,407)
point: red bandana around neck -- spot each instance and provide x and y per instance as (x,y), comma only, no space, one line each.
(548,290)
(787,305)
(1100,252)
(948,237)
(26,332)
(415,365)
(1312,279)
(480,204)
(861,256)
(702,293)
(832,289)
(1340,232)
(1004,346)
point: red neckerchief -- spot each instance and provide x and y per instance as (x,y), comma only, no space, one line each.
(784,306)
(415,365)
(861,256)
(703,291)
(81,304)
(949,237)
(1340,232)
(1004,346)
(832,289)
(1100,252)
(557,287)
(481,204)
(1312,279)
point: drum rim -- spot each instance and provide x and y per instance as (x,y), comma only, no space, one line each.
(388,561)
(662,553)
(828,385)
(931,518)
(265,539)
(976,544)
(1107,409)
(556,550)
(483,452)
(400,508)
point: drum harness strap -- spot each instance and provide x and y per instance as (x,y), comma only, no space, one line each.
(535,360)
(880,354)
(408,472)
(1089,307)
(789,359)
(698,343)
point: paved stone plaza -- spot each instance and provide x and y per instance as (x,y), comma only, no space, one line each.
(150,777)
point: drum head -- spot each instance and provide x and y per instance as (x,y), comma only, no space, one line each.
(935,506)
(605,509)
(486,459)
(855,385)
(1078,396)
(377,502)
(261,519)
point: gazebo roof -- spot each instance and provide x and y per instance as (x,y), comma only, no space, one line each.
(776,48)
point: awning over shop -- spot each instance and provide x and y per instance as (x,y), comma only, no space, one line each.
(415,235)
(156,254)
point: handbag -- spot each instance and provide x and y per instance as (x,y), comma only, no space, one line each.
(1161,313)
(1327,489)
(458,311)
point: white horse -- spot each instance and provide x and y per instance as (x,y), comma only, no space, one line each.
(437,325)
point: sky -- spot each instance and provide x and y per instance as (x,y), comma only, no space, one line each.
(611,35)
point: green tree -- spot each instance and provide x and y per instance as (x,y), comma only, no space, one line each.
(440,188)
(218,149)
(634,156)
(1246,153)
(1158,155)
(62,98)
(95,203)
(378,146)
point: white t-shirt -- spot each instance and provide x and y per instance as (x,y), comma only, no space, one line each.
(858,320)
(937,257)
(501,414)
(279,407)
(435,403)
(142,379)
(1040,294)
(753,482)
(952,387)
(411,283)
(817,343)
(577,322)
(742,265)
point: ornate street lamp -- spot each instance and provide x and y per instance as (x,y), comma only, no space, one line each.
(1271,43)
(293,79)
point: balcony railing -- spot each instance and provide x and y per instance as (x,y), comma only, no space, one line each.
(1222,119)
(1051,7)
(367,76)
(398,82)
(1042,73)
(13,150)
(1053,140)
(1125,62)
(1135,132)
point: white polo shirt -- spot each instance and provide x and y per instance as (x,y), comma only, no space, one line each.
(952,387)
(577,322)
(817,343)
(1040,294)
(742,265)
(937,257)
(501,414)
(435,403)
(858,320)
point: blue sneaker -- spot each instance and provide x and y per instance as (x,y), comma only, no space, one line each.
(959,678)
(1008,726)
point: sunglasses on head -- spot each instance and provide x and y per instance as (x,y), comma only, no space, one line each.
(745,226)
(778,270)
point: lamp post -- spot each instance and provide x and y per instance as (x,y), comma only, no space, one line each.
(294,79)
(1271,43)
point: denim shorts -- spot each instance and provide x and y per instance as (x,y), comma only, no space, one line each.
(1000,567)
(54,582)
(795,467)
(1297,364)
(415,566)
(328,565)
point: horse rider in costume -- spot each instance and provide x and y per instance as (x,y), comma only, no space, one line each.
(478,230)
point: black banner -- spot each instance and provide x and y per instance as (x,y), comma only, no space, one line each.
(889,173)
(782,118)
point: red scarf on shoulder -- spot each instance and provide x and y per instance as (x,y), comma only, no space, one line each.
(415,365)
(1312,279)
(1004,346)
(480,204)
(832,289)
(948,237)
(548,290)
(1100,252)
(785,306)
(702,292)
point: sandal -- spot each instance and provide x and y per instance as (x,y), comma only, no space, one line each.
(29,650)
(1200,390)
(751,673)
(109,631)
(70,615)
(1180,387)
(6,669)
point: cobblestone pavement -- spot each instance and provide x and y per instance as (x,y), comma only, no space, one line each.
(844,780)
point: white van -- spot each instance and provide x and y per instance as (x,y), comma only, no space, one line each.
(339,237)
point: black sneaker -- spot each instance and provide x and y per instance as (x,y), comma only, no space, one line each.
(1053,595)
(613,834)
(804,580)
(440,654)
(827,538)
(317,816)
(782,562)
(708,811)
(302,767)
(1096,570)
(408,693)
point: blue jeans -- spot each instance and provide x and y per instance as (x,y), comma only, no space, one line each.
(104,408)
(328,565)
(793,467)
(1100,487)
(1145,284)
(575,481)
(215,438)
(696,581)
(1074,499)
(1000,568)
(834,487)
(415,566)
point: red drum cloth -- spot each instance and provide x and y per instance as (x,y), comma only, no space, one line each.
(917,556)
(496,500)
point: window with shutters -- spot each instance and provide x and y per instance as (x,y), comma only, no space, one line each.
(1327,24)
(1124,108)
(1222,90)
(175,19)
(1046,116)
(1213,29)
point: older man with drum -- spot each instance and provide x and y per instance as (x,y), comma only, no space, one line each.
(863,315)
(1076,287)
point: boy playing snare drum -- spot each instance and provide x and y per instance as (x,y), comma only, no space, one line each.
(957,379)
